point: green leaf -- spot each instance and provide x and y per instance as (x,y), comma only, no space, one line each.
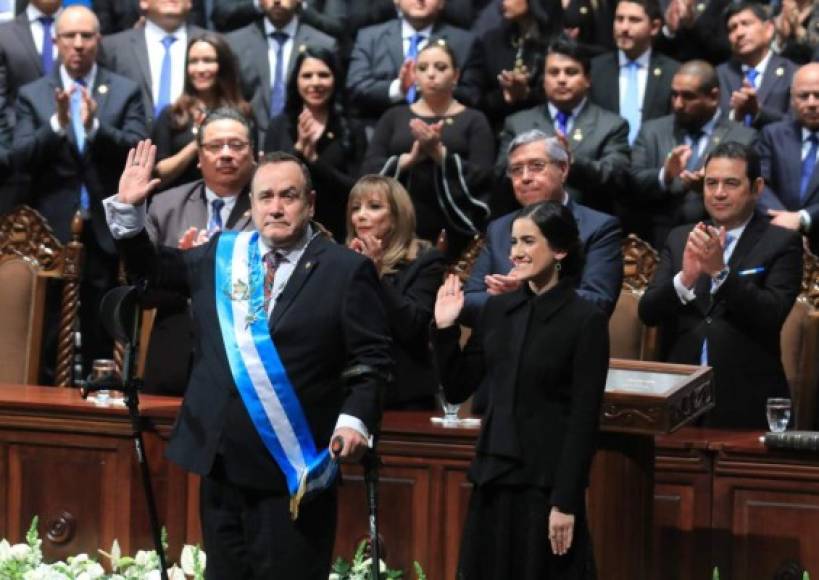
(419,572)
(32,537)
(715,574)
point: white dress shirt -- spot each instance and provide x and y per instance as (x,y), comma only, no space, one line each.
(156,53)
(33,13)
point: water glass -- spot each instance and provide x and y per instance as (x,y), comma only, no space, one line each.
(779,414)
(450,409)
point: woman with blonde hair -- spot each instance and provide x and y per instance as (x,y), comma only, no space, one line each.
(381,225)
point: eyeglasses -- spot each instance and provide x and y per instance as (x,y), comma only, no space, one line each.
(234,145)
(535,166)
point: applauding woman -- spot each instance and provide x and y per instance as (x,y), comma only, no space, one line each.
(543,352)
(381,225)
(212,81)
(313,126)
(442,151)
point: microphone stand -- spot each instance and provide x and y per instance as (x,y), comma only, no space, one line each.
(121,316)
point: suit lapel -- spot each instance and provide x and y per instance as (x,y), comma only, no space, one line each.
(610,78)
(302,38)
(308,263)
(140,52)
(22,31)
(792,159)
(195,213)
(717,137)
(774,74)
(259,39)
(517,313)
(392,39)
(239,217)
(584,125)
(101,91)
(750,236)
(652,83)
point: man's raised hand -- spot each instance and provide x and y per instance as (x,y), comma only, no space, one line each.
(136,182)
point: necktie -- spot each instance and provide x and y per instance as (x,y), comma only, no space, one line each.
(164,95)
(215,221)
(272,259)
(694,161)
(79,134)
(277,90)
(47,56)
(750,75)
(562,119)
(630,101)
(808,163)
(415,41)
(726,254)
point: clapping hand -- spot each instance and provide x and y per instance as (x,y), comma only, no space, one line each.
(406,76)
(703,253)
(136,183)
(675,162)
(514,85)
(62,100)
(88,107)
(428,137)
(192,237)
(370,246)
(309,133)
(501,284)
(449,303)
(744,101)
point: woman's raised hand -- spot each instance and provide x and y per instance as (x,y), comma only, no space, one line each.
(369,246)
(449,303)
(136,182)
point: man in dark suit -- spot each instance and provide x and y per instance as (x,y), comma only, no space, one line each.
(118,15)
(328,16)
(256,456)
(73,128)
(694,30)
(381,66)
(260,45)
(538,167)
(755,84)
(141,54)
(183,215)
(666,161)
(642,75)
(787,150)
(723,289)
(598,138)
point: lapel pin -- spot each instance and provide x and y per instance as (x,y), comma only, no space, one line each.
(330,135)
(780,71)
(102,89)
(308,265)
(584,10)
(449,121)
(716,140)
(658,71)
(577,135)
(701,7)
(302,47)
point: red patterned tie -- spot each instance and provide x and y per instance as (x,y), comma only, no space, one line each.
(271,262)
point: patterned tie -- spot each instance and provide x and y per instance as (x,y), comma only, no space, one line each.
(808,163)
(726,254)
(277,90)
(415,41)
(164,95)
(215,221)
(630,103)
(47,56)
(750,75)
(79,135)
(694,161)
(272,259)
(562,119)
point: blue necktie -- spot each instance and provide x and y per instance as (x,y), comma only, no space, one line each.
(750,76)
(79,135)
(86,3)
(164,95)
(415,40)
(694,160)
(215,221)
(277,90)
(562,119)
(47,56)
(630,102)
(808,163)
(729,241)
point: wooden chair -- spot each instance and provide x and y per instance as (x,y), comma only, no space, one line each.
(628,336)
(30,256)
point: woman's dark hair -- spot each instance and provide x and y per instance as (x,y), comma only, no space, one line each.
(226,88)
(443,45)
(548,18)
(294,103)
(557,224)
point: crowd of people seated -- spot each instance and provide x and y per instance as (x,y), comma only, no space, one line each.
(468,109)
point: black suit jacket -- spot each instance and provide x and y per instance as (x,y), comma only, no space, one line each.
(773,94)
(706,39)
(318,334)
(118,15)
(20,64)
(56,166)
(742,321)
(544,403)
(605,75)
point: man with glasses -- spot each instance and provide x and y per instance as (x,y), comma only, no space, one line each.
(189,215)
(538,168)
(73,130)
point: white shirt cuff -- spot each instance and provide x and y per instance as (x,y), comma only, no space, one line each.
(685,295)
(661,178)
(355,424)
(804,220)
(395,93)
(124,220)
(55,125)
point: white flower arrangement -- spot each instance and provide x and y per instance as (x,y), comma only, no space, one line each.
(360,568)
(25,562)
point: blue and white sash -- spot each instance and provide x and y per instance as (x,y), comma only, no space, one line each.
(260,377)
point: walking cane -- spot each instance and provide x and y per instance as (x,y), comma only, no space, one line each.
(370,463)
(120,314)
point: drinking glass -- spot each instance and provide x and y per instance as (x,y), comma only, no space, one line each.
(450,409)
(779,414)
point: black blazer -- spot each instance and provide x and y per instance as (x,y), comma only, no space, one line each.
(319,334)
(410,299)
(544,360)
(742,321)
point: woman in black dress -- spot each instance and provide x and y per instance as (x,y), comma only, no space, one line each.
(212,81)
(442,151)
(381,225)
(313,126)
(543,353)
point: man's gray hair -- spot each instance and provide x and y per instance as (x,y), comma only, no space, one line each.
(554,148)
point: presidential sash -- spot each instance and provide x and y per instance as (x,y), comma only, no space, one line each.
(260,377)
